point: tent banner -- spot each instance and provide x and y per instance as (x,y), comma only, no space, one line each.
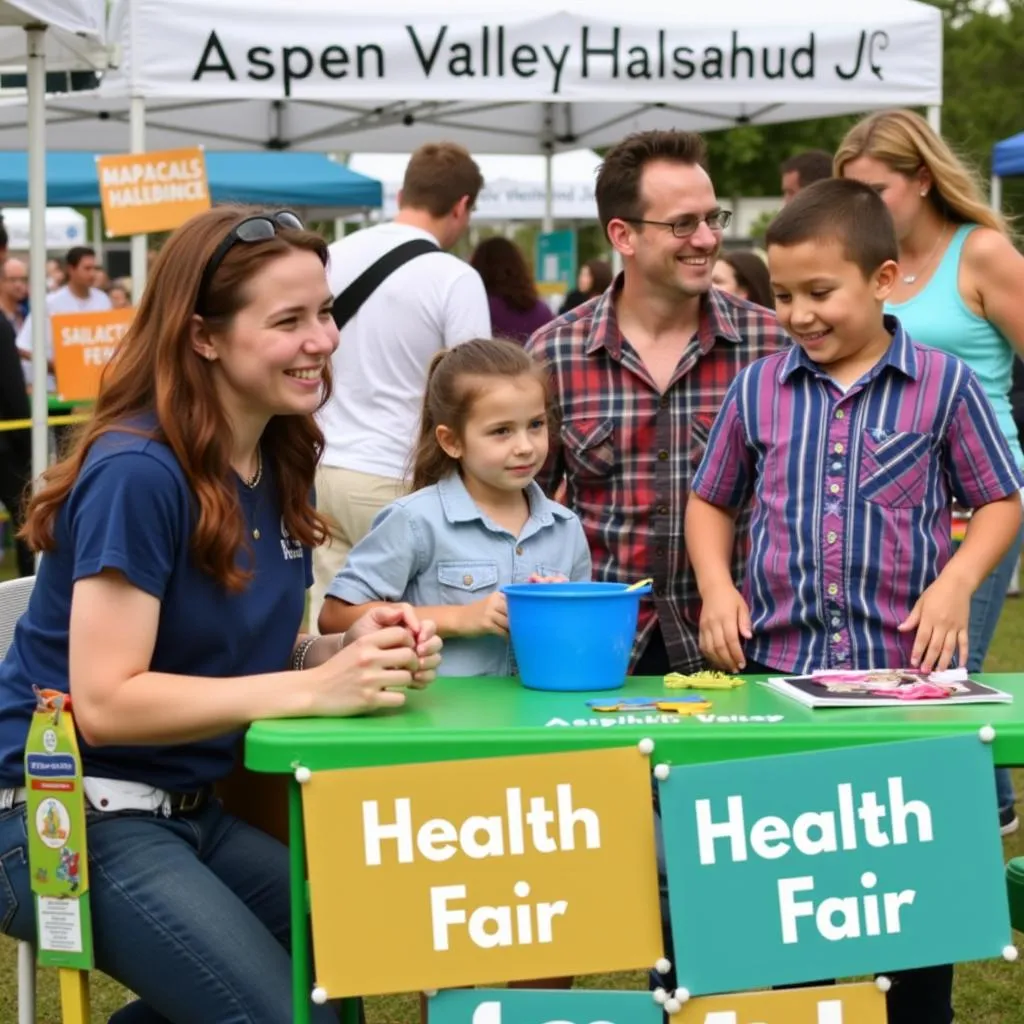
(875,56)
(158,191)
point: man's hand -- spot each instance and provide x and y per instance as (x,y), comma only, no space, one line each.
(940,618)
(725,618)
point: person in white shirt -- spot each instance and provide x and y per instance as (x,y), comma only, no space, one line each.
(77,296)
(433,301)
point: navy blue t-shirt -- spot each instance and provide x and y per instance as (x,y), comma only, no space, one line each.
(131,510)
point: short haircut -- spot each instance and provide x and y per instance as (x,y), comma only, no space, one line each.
(811,165)
(78,253)
(438,175)
(843,211)
(618,181)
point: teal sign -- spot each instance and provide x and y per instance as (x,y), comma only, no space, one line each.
(520,1006)
(832,864)
(556,258)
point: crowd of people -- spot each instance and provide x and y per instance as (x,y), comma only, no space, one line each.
(782,460)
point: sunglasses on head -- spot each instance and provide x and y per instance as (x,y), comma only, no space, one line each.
(259,228)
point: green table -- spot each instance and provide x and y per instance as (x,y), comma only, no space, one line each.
(457,719)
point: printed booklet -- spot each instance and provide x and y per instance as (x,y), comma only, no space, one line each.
(837,688)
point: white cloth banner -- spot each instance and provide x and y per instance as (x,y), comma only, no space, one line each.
(648,50)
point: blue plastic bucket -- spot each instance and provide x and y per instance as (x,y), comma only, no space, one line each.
(569,637)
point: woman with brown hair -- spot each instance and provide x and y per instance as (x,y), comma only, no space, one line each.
(594,278)
(516,308)
(176,540)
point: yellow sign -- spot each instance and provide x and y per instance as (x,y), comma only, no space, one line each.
(432,876)
(82,346)
(831,1004)
(158,191)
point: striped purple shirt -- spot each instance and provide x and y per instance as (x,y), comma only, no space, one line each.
(851,496)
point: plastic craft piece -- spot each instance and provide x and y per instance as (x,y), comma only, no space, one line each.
(302,775)
(702,681)
(319,995)
(663,966)
(682,995)
(660,996)
(1010,953)
(646,746)
(986,734)
(688,705)
(430,993)
(672,1006)
(661,772)
(883,983)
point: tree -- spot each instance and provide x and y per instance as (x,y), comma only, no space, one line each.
(983,52)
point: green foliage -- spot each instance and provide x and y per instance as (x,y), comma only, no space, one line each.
(983,58)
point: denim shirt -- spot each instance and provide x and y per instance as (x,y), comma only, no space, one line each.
(435,547)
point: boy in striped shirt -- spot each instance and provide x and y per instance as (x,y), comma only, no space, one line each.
(852,445)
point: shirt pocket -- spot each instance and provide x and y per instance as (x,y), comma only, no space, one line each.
(462,582)
(894,468)
(700,431)
(589,449)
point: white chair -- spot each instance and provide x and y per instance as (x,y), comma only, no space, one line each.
(14,595)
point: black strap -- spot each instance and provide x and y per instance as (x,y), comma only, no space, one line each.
(347,304)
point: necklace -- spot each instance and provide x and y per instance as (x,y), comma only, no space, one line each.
(911,278)
(253,482)
(258,475)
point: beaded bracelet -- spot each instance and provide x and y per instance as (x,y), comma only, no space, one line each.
(301,650)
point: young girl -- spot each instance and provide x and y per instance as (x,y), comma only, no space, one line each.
(475,521)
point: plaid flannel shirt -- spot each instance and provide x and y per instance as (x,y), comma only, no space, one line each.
(629,452)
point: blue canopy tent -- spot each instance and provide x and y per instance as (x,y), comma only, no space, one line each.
(309,180)
(1007,162)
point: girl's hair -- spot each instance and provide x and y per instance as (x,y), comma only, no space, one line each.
(905,143)
(155,371)
(751,275)
(456,379)
(505,272)
(600,276)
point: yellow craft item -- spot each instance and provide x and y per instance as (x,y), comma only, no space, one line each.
(702,681)
(683,707)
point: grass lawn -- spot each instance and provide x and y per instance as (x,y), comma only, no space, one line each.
(986,993)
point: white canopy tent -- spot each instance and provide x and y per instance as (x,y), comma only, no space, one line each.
(515,187)
(536,77)
(64,227)
(36,35)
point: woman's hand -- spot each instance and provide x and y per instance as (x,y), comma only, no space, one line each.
(422,633)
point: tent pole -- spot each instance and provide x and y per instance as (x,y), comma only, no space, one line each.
(97,234)
(137,127)
(549,192)
(935,118)
(36,88)
(996,193)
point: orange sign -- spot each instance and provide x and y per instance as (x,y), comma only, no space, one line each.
(470,872)
(832,1004)
(82,345)
(143,192)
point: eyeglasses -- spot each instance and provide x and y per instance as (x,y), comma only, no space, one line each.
(260,228)
(716,220)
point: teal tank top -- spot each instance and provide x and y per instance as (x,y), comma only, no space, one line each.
(939,317)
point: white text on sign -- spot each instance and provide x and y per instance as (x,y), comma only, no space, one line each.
(816,833)
(545,829)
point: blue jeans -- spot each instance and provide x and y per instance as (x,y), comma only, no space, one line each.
(191,913)
(986,607)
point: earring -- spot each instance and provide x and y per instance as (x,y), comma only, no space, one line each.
(924,192)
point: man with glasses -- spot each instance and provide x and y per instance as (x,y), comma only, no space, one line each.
(639,374)
(13,291)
